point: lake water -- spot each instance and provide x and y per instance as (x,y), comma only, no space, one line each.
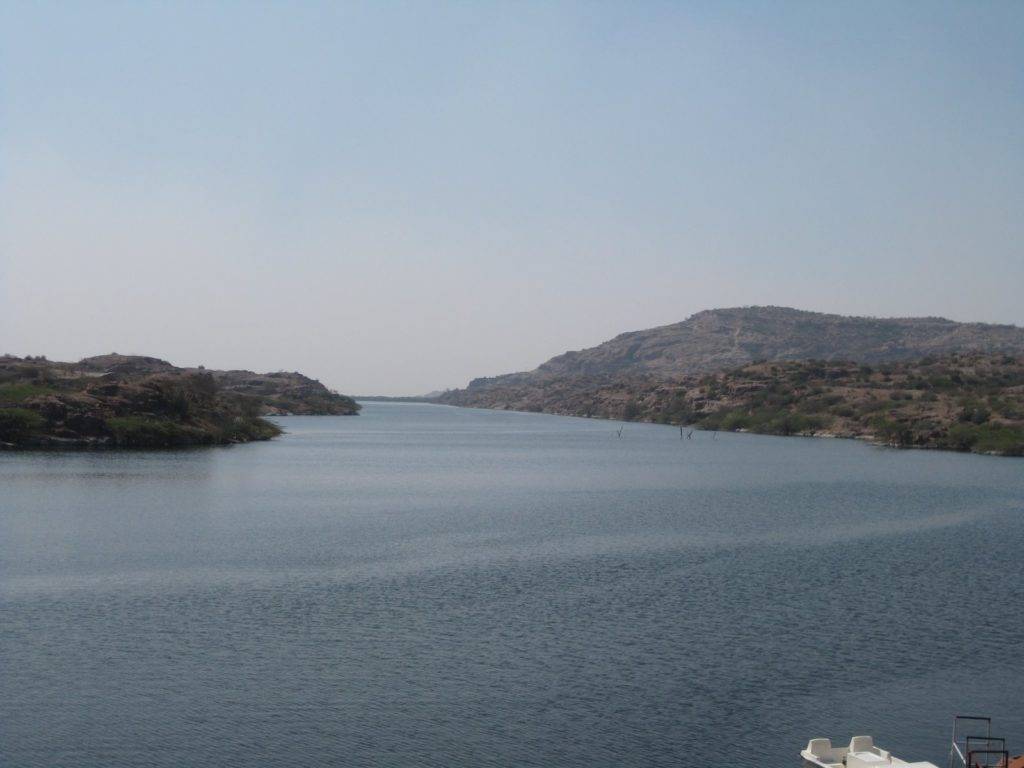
(430,586)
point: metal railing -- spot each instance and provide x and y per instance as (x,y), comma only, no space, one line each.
(964,749)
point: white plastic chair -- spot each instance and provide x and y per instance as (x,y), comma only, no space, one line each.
(862,744)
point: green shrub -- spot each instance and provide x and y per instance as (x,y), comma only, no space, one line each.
(793,424)
(985,438)
(874,406)
(1013,411)
(631,410)
(766,420)
(1000,438)
(19,392)
(18,423)
(960,437)
(976,414)
(241,429)
(893,432)
(734,420)
(145,432)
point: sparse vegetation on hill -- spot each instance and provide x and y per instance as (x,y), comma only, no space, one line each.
(138,402)
(721,339)
(280,393)
(966,402)
(926,382)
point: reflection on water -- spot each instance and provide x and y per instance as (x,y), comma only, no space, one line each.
(431,586)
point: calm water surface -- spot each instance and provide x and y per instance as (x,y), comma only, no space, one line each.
(428,586)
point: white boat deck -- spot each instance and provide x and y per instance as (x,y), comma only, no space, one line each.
(861,753)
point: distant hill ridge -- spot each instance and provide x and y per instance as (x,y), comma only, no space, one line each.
(721,339)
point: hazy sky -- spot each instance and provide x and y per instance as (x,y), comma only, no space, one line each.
(397,197)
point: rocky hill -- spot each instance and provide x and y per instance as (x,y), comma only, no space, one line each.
(966,402)
(720,339)
(134,401)
(281,393)
(628,377)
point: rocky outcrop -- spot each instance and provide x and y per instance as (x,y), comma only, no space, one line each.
(144,402)
(279,393)
(287,393)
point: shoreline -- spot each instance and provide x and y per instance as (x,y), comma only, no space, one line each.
(868,439)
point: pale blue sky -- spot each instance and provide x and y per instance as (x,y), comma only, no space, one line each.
(396,197)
